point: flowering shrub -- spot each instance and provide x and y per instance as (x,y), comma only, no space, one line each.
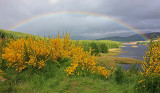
(14,54)
(84,61)
(103,71)
(60,48)
(37,52)
(22,53)
(151,66)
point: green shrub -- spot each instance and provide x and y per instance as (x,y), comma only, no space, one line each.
(103,47)
(119,75)
(149,85)
(86,46)
(95,48)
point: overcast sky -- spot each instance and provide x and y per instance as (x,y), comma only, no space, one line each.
(143,15)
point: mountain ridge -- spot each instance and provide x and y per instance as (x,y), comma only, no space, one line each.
(134,37)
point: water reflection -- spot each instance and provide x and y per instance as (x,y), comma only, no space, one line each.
(127,66)
(133,51)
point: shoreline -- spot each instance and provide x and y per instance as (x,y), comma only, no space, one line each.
(111,58)
(135,42)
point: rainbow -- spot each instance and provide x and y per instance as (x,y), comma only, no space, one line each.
(130,28)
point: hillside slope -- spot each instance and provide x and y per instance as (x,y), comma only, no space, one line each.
(15,35)
(135,37)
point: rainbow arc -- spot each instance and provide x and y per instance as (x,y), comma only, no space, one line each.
(130,28)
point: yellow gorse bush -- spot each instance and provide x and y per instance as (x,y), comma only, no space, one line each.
(23,52)
(150,80)
(151,65)
(83,60)
(60,48)
(102,71)
(37,52)
(30,52)
(14,54)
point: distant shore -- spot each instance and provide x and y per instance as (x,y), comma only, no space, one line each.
(135,42)
(130,43)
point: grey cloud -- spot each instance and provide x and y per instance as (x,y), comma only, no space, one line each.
(140,14)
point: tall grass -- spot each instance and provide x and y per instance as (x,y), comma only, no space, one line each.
(98,46)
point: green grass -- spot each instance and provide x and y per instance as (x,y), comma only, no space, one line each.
(53,79)
(109,43)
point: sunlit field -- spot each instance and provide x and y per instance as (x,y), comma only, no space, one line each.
(35,64)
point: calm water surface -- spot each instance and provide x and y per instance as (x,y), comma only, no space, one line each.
(133,52)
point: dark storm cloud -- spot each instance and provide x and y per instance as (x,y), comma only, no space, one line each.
(143,15)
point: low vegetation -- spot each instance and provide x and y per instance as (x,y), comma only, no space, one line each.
(98,46)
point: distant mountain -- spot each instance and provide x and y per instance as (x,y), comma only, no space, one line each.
(135,37)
